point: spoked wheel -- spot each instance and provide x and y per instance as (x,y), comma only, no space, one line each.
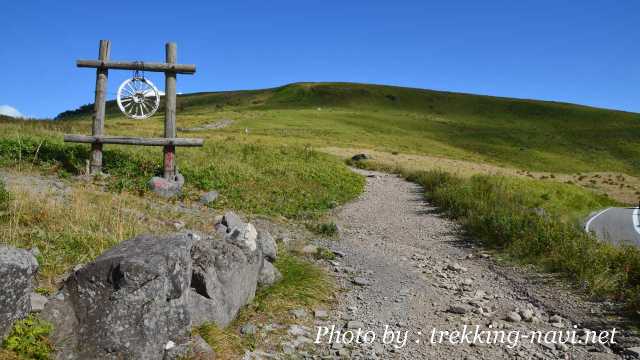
(138,98)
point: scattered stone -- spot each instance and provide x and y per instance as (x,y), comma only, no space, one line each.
(527,315)
(548,345)
(209,197)
(360,281)
(320,314)
(360,157)
(167,188)
(309,249)
(513,317)
(18,269)
(355,324)
(555,319)
(456,267)
(299,313)
(269,275)
(298,330)
(38,302)
(178,225)
(248,329)
(195,348)
(633,351)
(268,245)
(288,348)
(338,253)
(458,309)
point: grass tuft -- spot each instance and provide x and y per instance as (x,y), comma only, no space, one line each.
(536,222)
(28,339)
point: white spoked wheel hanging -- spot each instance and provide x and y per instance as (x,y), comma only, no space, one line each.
(138,98)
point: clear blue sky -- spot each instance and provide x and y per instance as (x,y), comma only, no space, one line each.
(586,52)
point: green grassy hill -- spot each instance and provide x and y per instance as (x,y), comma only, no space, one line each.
(526,134)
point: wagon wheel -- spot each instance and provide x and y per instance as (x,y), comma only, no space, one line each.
(138,98)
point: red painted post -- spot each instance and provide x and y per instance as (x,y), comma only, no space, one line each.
(170,113)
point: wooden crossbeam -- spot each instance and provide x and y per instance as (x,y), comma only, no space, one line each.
(136,65)
(124,140)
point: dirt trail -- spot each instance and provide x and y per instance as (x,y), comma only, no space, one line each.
(407,267)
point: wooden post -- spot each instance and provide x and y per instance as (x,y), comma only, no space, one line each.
(99,108)
(170,112)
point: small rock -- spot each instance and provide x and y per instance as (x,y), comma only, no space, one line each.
(355,324)
(555,319)
(248,329)
(268,245)
(320,314)
(527,315)
(209,197)
(309,249)
(268,275)
(548,345)
(360,157)
(458,309)
(456,267)
(299,313)
(288,348)
(633,351)
(360,281)
(297,330)
(167,188)
(338,253)
(513,317)
(198,349)
(178,225)
(38,302)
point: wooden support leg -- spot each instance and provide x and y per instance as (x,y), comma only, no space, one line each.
(99,108)
(170,112)
(170,162)
(96,158)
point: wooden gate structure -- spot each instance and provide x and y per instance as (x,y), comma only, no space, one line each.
(170,68)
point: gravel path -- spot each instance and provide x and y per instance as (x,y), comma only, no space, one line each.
(404,266)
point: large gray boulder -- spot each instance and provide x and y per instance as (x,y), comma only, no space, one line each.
(133,299)
(18,269)
(225,277)
(140,299)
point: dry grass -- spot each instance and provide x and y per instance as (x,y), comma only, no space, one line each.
(621,187)
(303,285)
(76,227)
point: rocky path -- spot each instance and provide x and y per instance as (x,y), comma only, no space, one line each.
(404,268)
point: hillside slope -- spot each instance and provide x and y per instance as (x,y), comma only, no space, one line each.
(526,134)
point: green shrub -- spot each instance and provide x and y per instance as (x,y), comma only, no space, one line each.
(5,198)
(326,229)
(324,254)
(536,222)
(28,338)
